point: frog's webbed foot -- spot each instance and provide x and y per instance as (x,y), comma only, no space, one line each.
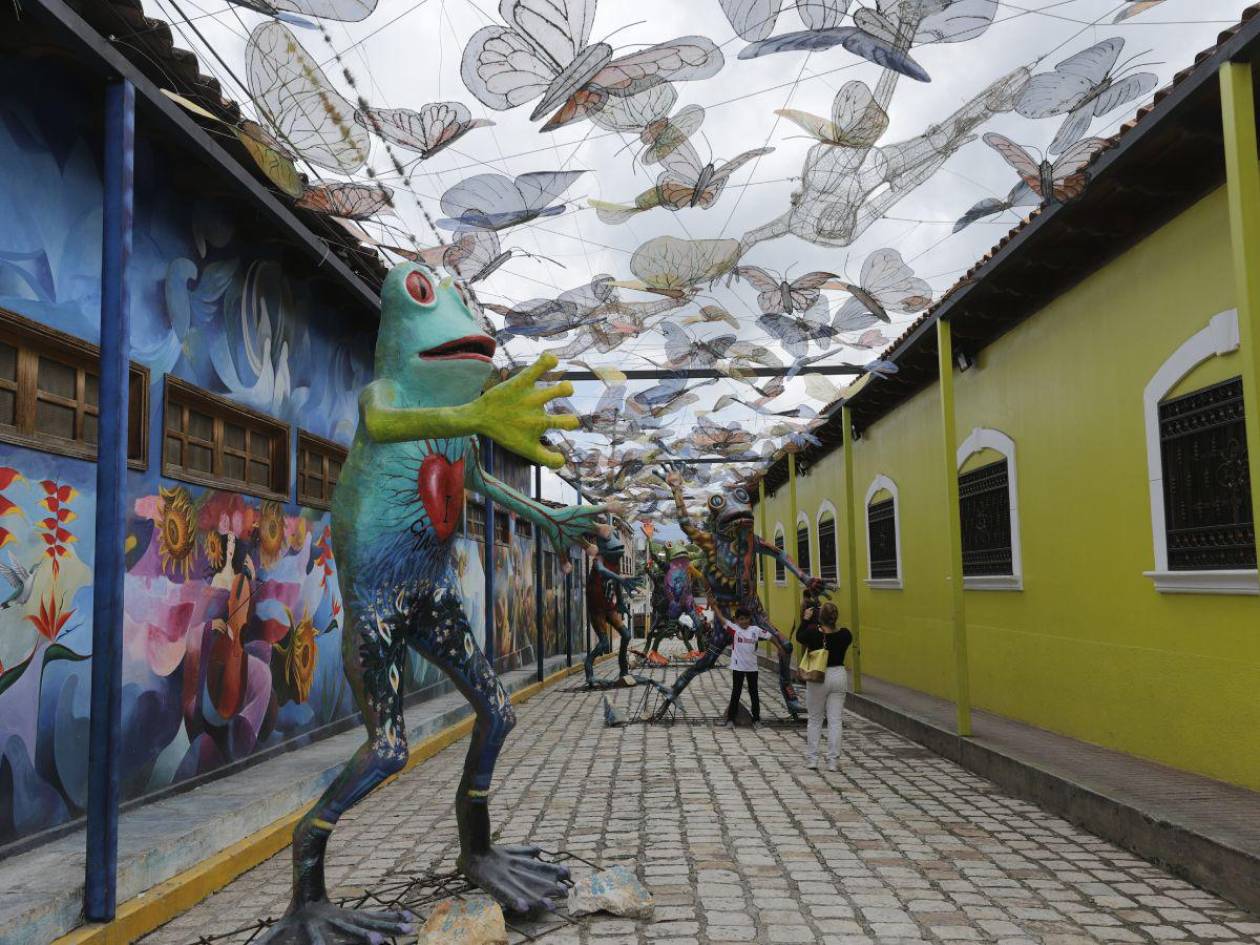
(515,877)
(322,923)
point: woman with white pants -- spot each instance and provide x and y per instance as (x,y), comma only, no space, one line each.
(826,696)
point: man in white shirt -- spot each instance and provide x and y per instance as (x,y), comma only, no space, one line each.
(744,663)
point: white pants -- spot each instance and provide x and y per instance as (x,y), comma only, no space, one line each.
(826,697)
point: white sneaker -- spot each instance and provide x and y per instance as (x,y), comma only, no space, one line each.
(811,764)
(629,680)
(831,766)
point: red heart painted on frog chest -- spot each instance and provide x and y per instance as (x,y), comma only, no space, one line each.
(441,487)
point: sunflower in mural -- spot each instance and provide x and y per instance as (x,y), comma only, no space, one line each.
(271,538)
(297,654)
(212,545)
(177,531)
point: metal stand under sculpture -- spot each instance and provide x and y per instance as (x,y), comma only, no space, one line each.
(674,611)
(730,548)
(395,511)
(608,606)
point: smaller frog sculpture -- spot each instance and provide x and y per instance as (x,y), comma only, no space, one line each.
(608,607)
(674,610)
(395,513)
(729,548)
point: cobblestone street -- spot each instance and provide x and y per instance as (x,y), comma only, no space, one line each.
(739,842)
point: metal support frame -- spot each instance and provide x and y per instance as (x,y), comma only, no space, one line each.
(1242,177)
(766,537)
(851,571)
(538,576)
(105,729)
(487,464)
(949,445)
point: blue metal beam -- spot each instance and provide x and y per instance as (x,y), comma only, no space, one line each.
(105,730)
(538,576)
(487,463)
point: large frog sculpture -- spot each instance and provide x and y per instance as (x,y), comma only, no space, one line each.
(395,511)
(729,548)
(608,608)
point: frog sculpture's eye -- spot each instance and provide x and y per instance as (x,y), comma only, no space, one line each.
(741,496)
(716,502)
(420,288)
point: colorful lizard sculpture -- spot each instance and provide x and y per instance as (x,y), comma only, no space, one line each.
(730,548)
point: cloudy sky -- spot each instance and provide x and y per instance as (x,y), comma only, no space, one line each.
(407,53)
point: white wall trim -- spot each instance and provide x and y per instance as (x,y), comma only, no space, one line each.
(982,438)
(1218,337)
(883,482)
(774,565)
(824,508)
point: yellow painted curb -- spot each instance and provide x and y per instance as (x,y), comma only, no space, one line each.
(157,906)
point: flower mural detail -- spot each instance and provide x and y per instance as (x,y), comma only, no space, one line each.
(213,548)
(271,537)
(297,657)
(52,617)
(8,476)
(177,531)
(57,538)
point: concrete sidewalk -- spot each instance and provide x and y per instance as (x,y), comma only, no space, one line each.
(41,890)
(1204,830)
(741,843)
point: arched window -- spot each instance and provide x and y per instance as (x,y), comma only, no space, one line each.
(1196,453)
(828,552)
(883,534)
(780,572)
(803,557)
(988,505)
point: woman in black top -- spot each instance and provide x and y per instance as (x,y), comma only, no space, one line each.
(827,696)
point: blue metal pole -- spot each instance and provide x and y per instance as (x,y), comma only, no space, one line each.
(487,463)
(538,576)
(105,731)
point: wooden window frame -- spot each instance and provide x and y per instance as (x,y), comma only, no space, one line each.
(804,557)
(31,340)
(220,408)
(828,564)
(475,518)
(327,450)
(780,543)
(502,529)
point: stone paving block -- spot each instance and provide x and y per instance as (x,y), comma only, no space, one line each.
(740,844)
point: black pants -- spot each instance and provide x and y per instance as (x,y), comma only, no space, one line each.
(737,686)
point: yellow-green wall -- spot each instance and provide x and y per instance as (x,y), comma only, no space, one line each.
(1088,647)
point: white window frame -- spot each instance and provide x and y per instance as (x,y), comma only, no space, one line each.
(803,519)
(823,509)
(883,482)
(1218,337)
(774,565)
(982,438)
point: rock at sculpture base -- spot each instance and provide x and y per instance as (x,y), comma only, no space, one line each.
(465,922)
(617,891)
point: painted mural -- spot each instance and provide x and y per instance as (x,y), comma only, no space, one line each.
(233,618)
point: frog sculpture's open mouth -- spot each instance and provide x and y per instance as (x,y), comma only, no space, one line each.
(470,347)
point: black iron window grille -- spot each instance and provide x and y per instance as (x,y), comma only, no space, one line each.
(802,548)
(985,509)
(828,563)
(1207,490)
(881,530)
(780,571)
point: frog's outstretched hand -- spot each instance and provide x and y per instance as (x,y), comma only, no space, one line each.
(513,413)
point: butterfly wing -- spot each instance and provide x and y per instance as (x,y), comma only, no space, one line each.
(1073,128)
(1071,82)
(822,14)
(893,284)
(1069,170)
(677,60)
(1138,85)
(664,136)
(1017,157)
(1134,8)
(866,45)
(293,94)
(858,118)
(632,113)
(820,128)
(538,189)
(954,21)
(346,199)
(985,208)
(752,19)
(854,315)
(503,69)
(804,291)
(556,29)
